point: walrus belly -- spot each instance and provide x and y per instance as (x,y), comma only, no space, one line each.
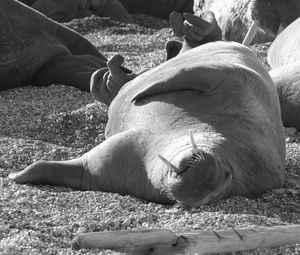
(218,91)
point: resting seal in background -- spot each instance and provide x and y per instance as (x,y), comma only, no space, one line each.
(194,129)
(158,8)
(66,10)
(284,58)
(35,50)
(235,16)
(283,55)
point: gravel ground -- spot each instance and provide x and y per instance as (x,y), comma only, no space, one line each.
(60,122)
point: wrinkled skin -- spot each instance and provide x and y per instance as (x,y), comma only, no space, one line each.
(272,13)
(231,109)
(284,58)
(158,8)
(66,10)
(35,50)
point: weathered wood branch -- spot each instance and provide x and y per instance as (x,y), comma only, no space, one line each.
(200,242)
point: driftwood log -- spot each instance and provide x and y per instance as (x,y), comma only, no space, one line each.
(196,242)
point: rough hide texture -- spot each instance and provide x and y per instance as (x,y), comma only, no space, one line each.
(38,51)
(233,18)
(232,109)
(66,10)
(158,8)
(284,58)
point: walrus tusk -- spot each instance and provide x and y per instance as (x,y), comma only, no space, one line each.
(195,149)
(251,33)
(280,29)
(169,164)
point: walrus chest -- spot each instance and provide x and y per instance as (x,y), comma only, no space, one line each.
(176,112)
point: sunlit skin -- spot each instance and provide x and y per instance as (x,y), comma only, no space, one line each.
(193,130)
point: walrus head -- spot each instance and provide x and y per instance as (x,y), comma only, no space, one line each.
(274,14)
(197,177)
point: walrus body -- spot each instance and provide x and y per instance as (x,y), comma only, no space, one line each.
(284,58)
(285,49)
(158,8)
(233,17)
(66,10)
(230,107)
(38,51)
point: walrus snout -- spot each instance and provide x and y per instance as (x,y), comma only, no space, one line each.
(201,179)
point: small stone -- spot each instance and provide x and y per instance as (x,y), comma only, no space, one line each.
(116,225)
(81,230)
(126,223)
(145,224)
(152,205)
(4,229)
(60,231)
(75,225)
(38,214)
(38,224)
(114,204)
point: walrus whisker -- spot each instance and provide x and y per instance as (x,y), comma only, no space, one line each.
(169,164)
(196,158)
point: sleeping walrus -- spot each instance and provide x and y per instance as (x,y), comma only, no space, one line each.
(35,50)
(284,58)
(194,129)
(66,10)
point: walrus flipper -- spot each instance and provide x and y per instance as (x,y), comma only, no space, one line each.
(287,82)
(64,173)
(75,42)
(196,70)
(70,70)
(116,165)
